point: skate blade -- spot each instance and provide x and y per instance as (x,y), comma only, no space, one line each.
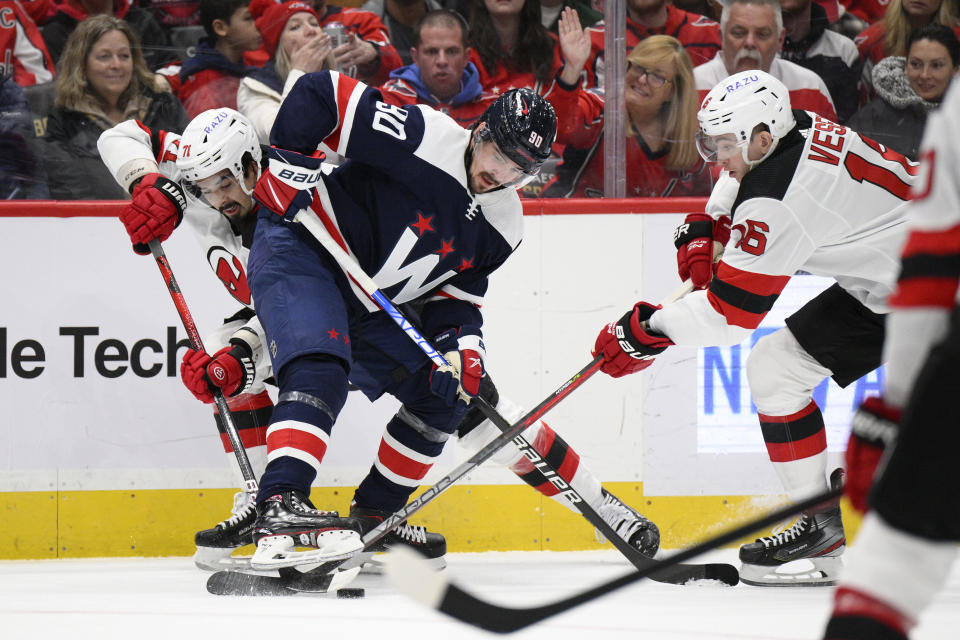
(275,552)
(377,564)
(806,572)
(218,559)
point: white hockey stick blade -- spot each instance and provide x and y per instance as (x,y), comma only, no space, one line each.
(415,577)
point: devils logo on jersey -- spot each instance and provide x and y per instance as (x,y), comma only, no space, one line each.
(230,271)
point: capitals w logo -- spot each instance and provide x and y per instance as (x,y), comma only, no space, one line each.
(396,269)
(230,271)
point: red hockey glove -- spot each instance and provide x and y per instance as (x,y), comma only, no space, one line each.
(231,370)
(875,426)
(286,186)
(460,378)
(154,212)
(697,240)
(626,345)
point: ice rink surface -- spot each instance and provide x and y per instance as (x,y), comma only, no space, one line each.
(145,599)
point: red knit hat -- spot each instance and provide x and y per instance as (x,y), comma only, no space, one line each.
(275,18)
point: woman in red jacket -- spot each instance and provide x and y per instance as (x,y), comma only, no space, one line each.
(661,154)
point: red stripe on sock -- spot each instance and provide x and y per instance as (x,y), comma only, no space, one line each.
(299,440)
(256,437)
(400,464)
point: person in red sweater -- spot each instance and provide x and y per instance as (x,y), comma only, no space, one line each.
(23,54)
(441,76)
(699,34)
(510,46)
(368,46)
(661,155)
(210,78)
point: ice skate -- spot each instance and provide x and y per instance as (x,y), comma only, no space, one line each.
(816,539)
(629,525)
(288,520)
(215,545)
(430,545)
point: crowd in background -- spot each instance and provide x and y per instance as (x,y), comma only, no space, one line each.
(70,69)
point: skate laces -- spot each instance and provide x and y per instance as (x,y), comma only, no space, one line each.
(239,516)
(624,520)
(412,533)
(240,502)
(787,535)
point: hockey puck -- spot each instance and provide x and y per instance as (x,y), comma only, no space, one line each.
(351,593)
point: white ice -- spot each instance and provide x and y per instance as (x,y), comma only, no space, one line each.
(145,599)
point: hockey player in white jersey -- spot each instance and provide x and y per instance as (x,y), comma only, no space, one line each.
(813,196)
(908,541)
(217,161)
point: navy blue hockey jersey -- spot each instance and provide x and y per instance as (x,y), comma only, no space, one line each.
(401,205)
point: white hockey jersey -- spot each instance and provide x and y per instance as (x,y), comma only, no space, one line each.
(828,202)
(131,150)
(929,286)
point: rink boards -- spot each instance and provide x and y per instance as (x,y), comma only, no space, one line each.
(103,452)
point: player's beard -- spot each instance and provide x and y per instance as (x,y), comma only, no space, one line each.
(236,207)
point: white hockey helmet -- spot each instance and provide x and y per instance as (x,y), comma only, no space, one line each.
(217,139)
(736,106)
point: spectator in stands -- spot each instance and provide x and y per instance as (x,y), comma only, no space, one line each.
(550,11)
(173,13)
(753,33)
(400,18)
(441,76)
(889,36)
(661,153)
(909,88)
(102,79)
(809,43)
(296,44)
(700,35)
(510,46)
(211,78)
(22,51)
(368,47)
(21,176)
(70,13)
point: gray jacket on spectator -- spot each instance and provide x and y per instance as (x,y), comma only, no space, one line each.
(400,34)
(70,148)
(896,117)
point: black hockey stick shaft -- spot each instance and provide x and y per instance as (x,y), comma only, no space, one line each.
(316,228)
(370,287)
(249,479)
(410,576)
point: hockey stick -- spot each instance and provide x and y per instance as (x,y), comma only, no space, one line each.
(727,573)
(319,579)
(249,479)
(409,573)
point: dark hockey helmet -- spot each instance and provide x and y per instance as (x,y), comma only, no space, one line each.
(523,125)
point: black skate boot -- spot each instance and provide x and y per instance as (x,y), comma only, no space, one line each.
(288,520)
(432,546)
(629,525)
(215,545)
(816,536)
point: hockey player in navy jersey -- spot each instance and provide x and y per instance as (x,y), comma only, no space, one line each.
(222,214)
(813,196)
